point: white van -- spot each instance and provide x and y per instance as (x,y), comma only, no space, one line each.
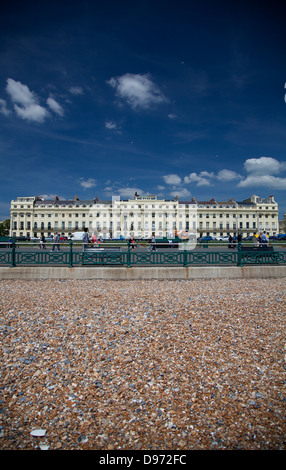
(77,236)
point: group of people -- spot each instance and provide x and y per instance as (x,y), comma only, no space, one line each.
(261,240)
(232,241)
(56,242)
(151,247)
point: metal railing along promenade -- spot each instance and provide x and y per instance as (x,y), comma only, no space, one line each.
(122,254)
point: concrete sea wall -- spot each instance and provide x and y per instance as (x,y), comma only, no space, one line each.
(134,273)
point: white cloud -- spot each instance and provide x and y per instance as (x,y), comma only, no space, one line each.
(264,166)
(139,91)
(172,116)
(20,93)
(207,174)
(49,197)
(227,175)
(129,192)
(200,179)
(172,179)
(3,108)
(261,172)
(76,90)
(26,103)
(56,107)
(87,184)
(33,112)
(263,180)
(112,126)
(182,193)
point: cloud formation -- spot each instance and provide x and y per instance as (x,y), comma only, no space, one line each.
(261,172)
(112,126)
(172,179)
(27,104)
(139,91)
(200,179)
(3,108)
(227,175)
(87,184)
(76,90)
(56,107)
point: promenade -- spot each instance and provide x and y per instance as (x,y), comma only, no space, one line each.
(146,364)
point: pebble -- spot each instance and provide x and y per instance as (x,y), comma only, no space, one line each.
(148,364)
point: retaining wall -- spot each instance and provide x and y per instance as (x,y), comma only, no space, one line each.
(134,273)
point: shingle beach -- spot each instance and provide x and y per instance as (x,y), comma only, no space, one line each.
(173,365)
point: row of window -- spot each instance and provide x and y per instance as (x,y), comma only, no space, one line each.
(153,226)
(167,215)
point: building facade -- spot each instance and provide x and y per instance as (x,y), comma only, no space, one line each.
(142,215)
(282,224)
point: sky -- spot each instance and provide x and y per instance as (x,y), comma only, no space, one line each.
(167,98)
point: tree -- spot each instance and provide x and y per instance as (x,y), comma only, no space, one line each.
(5,228)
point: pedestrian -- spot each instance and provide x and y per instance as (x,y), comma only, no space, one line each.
(255,239)
(85,238)
(56,242)
(153,242)
(43,242)
(132,243)
(264,239)
(260,239)
(230,242)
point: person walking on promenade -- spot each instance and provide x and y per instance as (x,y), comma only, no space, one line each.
(43,242)
(264,239)
(85,238)
(56,242)
(255,239)
(132,243)
(153,242)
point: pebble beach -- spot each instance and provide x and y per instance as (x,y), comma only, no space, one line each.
(143,365)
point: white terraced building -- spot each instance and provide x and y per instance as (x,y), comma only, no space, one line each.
(142,215)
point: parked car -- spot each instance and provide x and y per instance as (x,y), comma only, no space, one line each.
(205,239)
(223,238)
(281,236)
(63,239)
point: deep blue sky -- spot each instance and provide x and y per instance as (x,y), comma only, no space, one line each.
(102,98)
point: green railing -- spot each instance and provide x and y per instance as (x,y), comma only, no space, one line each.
(122,255)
